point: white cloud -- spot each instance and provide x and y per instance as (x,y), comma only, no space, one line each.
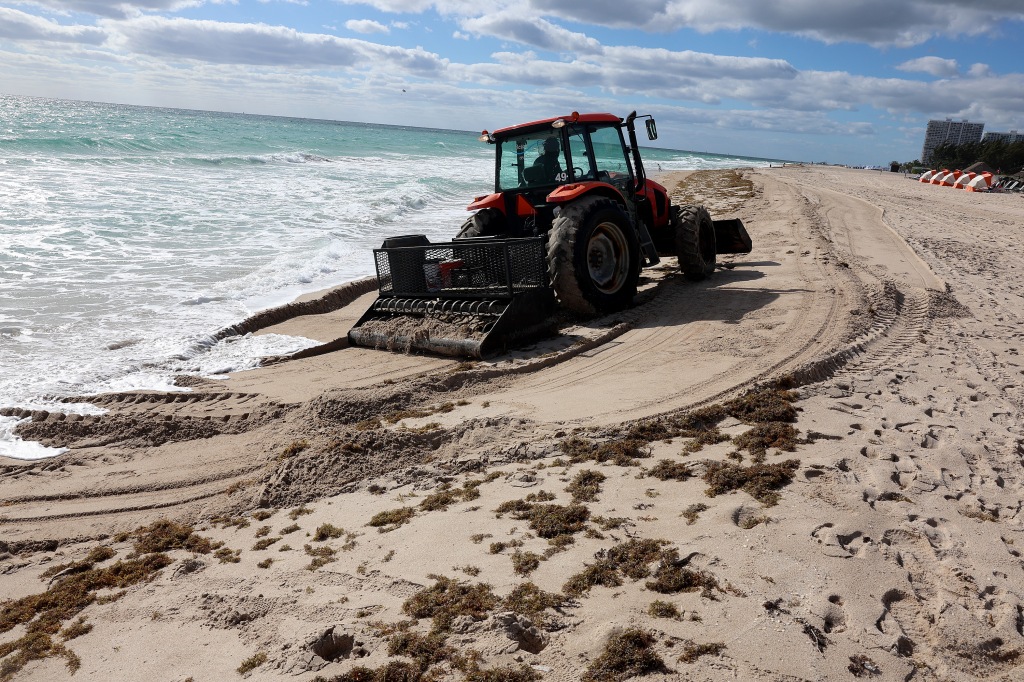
(459,35)
(366,26)
(530,30)
(979,71)
(262,45)
(448,7)
(875,22)
(16,25)
(936,66)
(117,8)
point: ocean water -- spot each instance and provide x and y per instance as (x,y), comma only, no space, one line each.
(129,235)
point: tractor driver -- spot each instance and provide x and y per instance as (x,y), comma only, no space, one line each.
(551,169)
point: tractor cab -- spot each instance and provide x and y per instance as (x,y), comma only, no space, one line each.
(544,164)
(576,152)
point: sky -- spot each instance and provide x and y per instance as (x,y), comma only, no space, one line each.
(840,81)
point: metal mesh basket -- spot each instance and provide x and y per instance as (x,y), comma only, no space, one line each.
(470,268)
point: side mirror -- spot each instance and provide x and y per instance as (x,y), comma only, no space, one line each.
(652,130)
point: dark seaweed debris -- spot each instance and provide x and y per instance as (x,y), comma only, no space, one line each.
(760,481)
(626,655)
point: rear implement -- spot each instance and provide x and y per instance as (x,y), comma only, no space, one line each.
(469,298)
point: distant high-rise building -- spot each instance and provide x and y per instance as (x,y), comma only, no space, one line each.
(953,132)
(1009,138)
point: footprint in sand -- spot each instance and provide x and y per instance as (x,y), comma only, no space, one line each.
(934,530)
(834,615)
(840,545)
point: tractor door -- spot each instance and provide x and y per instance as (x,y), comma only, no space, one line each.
(610,160)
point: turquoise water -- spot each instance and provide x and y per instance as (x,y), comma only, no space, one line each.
(130,234)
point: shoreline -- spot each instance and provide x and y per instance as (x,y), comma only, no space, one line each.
(316,302)
(878,535)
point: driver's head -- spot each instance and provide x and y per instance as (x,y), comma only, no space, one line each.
(551,145)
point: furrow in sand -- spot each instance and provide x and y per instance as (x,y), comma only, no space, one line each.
(167,487)
(126,504)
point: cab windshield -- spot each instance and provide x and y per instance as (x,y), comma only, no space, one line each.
(532,160)
(539,159)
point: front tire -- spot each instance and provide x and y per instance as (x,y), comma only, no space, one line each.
(593,257)
(487,222)
(695,241)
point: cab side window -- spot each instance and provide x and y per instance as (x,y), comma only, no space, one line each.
(609,152)
(578,152)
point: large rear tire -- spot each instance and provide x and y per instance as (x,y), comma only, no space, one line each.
(487,222)
(593,257)
(695,241)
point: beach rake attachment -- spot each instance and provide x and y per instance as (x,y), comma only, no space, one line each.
(468,298)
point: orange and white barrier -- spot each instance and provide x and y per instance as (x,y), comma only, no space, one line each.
(926,176)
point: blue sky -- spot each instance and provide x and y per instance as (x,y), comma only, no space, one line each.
(843,81)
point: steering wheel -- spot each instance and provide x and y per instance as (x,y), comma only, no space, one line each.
(578,173)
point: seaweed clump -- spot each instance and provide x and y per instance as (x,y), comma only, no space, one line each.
(760,481)
(95,556)
(586,485)
(425,650)
(44,614)
(447,496)
(692,651)
(447,599)
(760,437)
(667,470)
(525,563)
(627,654)
(165,535)
(621,452)
(663,609)
(529,600)
(253,662)
(770,409)
(673,575)
(386,521)
(692,512)
(547,520)
(633,559)
(630,558)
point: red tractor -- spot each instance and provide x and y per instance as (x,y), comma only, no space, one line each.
(570,191)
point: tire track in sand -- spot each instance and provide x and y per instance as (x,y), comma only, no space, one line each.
(767,313)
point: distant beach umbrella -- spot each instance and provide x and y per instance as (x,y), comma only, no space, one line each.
(980,183)
(964,178)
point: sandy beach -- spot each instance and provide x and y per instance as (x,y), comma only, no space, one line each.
(807,467)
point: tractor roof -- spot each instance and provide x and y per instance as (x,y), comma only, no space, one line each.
(583,118)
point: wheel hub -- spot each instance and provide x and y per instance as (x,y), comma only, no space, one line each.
(607,258)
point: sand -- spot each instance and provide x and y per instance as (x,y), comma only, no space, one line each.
(891,308)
